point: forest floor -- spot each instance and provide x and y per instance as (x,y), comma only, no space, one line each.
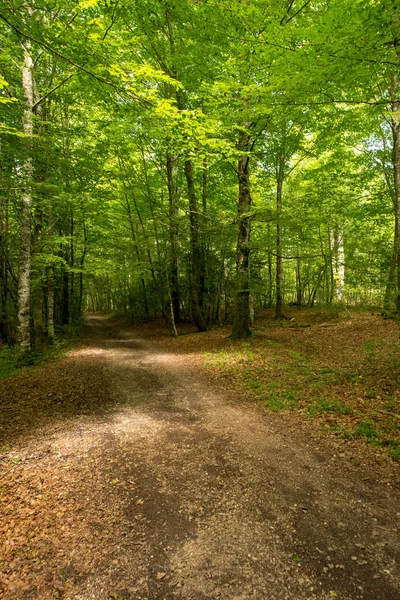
(141,466)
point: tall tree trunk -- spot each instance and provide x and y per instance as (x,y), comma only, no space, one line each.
(81,264)
(37,288)
(50,303)
(299,283)
(174,237)
(391,280)
(390,289)
(72,302)
(242,316)
(270,277)
(339,263)
(26,206)
(196,311)
(395,124)
(279,261)
(5,332)
(136,245)
(203,241)
(195,307)
(170,317)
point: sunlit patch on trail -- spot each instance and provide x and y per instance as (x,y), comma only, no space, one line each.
(90,351)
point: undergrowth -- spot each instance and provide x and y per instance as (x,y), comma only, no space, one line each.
(12,360)
(342,372)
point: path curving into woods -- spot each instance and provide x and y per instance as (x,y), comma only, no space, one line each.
(126,474)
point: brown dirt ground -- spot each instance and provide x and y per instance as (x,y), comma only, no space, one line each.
(132,469)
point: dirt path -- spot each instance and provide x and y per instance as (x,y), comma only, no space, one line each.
(137,478)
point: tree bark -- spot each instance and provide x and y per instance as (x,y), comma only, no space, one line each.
(196,311)
(299,283)
(339,263)
(241,328)
(24,280)
(174,238)
(203,241)
(37,287)
(50,304)
(270,276)
(279,262)
(137,252)
(395,124)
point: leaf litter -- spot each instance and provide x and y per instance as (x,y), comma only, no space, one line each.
(128,471)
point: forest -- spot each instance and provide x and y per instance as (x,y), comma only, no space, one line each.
(199,299)
(199,160)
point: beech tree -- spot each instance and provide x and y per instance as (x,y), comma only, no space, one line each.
(196,161)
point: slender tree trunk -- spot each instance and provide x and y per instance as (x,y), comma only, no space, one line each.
(196,311)
(396,174)
(279,261)
(50,304)
(5,333)
(149,258)
(26,206)
(195,307)
(242,316)
(339,263)
(299,287)
(81,264)
(330,258)
(391,281)
(203,243)
(72,301)
(314,290)
(174,237)
(171,317)
(390,289)
(270,275)
(137,252)
(37,288)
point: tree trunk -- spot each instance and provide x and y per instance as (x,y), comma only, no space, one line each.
(81,264)
(174,238)
(395,124)
(203,244)
(391,281)
(170,314)
(195,308)
(242,316)
(299,287)
(50,304)
(279,262)
(339,263)
(37,288)
(5,270)
(270,276)
(196,311)
(26,207)
(138,259)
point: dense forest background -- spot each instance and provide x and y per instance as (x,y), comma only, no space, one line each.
(196,159)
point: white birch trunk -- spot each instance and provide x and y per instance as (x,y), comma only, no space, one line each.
(26,206)
(339,270)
